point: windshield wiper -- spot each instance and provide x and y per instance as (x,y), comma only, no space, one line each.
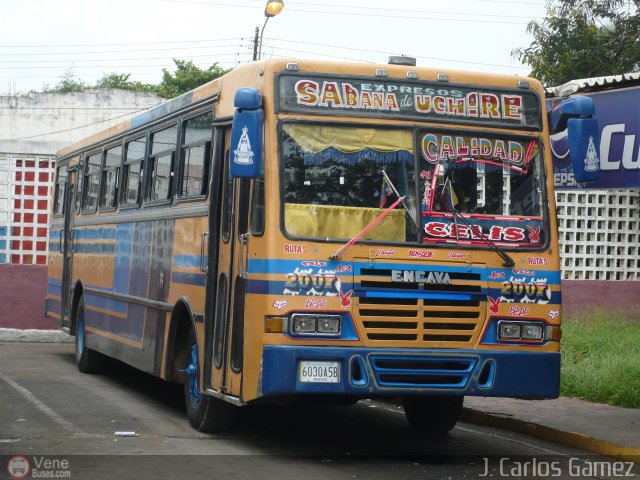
(446,189)
(359,235)
(404,205)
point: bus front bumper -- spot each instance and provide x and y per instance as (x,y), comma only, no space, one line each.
(370,372)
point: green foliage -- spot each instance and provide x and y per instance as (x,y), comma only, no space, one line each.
(186,77)
(582,39)
(121,81)
(600,358)
(67,84)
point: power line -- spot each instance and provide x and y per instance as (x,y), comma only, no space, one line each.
(81,126)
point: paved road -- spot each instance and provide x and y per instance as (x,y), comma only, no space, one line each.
(50,411)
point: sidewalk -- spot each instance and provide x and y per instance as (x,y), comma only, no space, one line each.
(602,429)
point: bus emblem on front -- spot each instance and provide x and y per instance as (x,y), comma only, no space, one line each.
(419,276)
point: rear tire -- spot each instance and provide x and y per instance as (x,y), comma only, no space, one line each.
(88,360)
(206,414)
(432,415)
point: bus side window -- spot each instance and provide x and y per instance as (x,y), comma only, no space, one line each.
(257,207)
(61,190)
(92,182)
(133,171)
(110,177)
(194,155)
(80,183)
(161,164)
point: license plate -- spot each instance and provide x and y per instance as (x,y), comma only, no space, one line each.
(319,372)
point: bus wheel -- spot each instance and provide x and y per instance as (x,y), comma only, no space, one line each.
(88,361)
(432,415)
(206,414)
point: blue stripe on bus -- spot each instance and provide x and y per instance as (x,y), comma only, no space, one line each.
(112,304)
(427,295)
(122,266)
(130,327)
(198,279)
(95,234)
(3,231)
(54,290)
(142,242)
(94,248)
(54,281)
(275,266)
(187,260)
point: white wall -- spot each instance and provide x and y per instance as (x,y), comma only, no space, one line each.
(32,128)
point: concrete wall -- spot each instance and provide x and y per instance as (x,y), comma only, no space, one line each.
(32,128)
(41,123)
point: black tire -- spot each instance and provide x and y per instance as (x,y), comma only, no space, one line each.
(432,415)
(88,360)
(206,414)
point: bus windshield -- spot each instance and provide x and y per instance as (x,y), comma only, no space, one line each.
(337,179)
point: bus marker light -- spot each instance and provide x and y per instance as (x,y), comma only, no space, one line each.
(411,74)
(292,67)
(381,72)
(274,324)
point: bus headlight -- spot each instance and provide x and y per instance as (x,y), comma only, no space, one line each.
(532,331)
(306,324)
(512,330)
(509,330)
(329,324)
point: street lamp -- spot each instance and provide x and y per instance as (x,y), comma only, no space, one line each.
(271,9)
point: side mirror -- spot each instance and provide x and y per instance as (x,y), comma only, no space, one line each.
(576,115)
(247,134)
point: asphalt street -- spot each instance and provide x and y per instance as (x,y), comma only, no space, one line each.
(51,412)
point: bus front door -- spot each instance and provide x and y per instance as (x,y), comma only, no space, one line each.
(228,308)
(67,250)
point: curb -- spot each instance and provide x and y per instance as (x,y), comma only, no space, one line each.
(543,432)
(34,336)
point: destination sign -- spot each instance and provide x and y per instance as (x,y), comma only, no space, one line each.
(416,100)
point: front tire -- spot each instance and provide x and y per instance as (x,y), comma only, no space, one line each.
(88,361)
(432,415)
(206,414)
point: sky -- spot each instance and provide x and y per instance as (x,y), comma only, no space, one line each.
(41,41)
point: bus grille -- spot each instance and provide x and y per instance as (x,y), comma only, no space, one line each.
(423,371)
(442,308)
(422,322)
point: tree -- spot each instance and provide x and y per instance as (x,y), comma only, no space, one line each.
(121,81)
(186,77)
(67,84)
(582,39)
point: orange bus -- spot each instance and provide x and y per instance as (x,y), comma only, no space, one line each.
(308,229)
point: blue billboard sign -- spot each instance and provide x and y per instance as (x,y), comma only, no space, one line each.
(619,127)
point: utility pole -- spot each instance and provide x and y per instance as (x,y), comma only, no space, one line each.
(255,45)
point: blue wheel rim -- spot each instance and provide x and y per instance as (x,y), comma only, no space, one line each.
(80,332)
(192,373)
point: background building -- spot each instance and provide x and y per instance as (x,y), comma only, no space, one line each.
(599,222)
(32,128)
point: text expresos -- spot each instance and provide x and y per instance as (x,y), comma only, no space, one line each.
(419,276)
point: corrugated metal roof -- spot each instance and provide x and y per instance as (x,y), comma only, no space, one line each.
(594,84)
